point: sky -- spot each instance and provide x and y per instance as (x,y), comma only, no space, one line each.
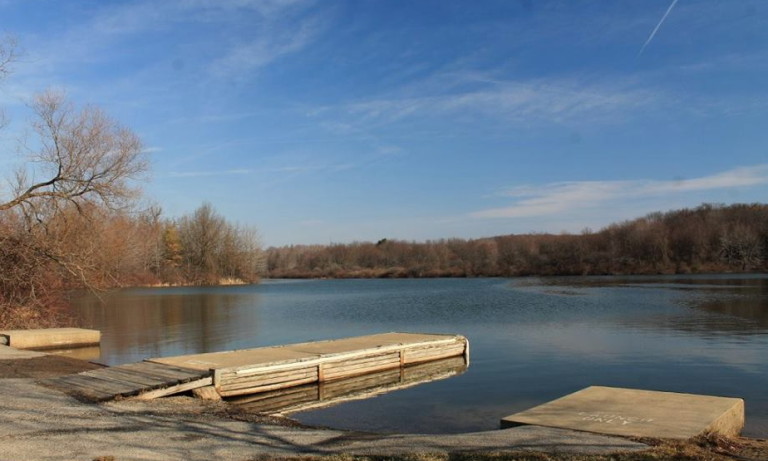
(333,121)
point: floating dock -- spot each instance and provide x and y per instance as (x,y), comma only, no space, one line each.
(50,338)
(265,369)
(321,395)
(637,413)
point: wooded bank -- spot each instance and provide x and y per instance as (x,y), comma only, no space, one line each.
(709,238)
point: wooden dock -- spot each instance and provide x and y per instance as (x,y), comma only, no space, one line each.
(270,368)
(264,369)
(320,395)
(144,380)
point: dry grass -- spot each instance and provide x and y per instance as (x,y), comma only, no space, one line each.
(26,317)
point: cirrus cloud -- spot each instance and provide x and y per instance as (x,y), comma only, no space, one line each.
(553,198)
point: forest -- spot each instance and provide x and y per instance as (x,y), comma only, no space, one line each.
(708,238)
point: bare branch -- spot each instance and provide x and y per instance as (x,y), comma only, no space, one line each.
(8,54)
(83,156)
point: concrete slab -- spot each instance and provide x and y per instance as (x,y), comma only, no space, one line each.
(50,338)
(637,413)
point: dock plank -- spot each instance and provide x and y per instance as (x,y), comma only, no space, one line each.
(147,379)
(162,370)
(112,375)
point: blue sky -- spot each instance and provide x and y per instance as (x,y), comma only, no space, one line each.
(334,121)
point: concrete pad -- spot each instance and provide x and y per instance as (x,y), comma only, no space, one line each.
(50,338)
(637,413)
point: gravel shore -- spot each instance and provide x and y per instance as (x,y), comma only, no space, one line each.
(42,423)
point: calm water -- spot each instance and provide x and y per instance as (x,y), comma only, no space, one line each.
(532,340)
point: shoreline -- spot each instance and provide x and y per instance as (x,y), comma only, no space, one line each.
(43,423)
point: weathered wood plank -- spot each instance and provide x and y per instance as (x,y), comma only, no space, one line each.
(363,362)
(83,384)
(140,376)
(77,390)
(256,373)
(183,387)
(356,362)
(245,385)
(165,371)
(231,393)
(421,355)
(129,380)
(110,374)
(266,378)
(207,393)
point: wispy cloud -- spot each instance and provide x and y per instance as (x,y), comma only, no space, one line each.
(275,42)
(550,199)
(286,169)
(521,102)
(272,29)
(200,174)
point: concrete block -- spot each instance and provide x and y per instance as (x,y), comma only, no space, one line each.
(51,338)
(637,413)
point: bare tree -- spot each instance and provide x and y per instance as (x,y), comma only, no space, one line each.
(78,156)
(215,249)
(80,161)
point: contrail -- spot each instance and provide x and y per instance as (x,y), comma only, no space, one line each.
(656,29)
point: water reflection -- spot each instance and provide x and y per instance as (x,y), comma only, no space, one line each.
(88,353)
(320,395)
(752,308)
(739,302)
(139,323)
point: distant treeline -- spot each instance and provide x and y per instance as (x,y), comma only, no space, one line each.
(709,238)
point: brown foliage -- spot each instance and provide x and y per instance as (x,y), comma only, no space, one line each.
(709,238)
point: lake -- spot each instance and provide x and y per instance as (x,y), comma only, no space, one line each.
(532,339)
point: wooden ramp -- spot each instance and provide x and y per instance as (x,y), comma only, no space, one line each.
(270,368)
(144,380)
